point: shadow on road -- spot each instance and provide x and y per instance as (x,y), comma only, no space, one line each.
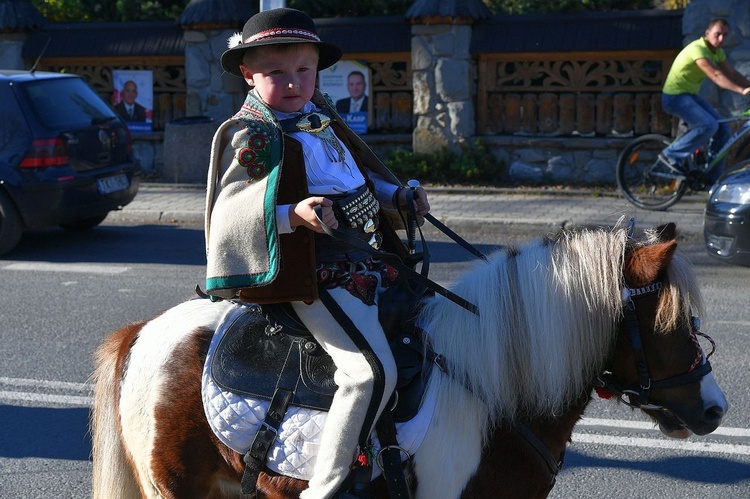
(159,243)
(44,432)
(698,469)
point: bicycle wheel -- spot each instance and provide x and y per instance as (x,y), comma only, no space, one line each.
(644,180)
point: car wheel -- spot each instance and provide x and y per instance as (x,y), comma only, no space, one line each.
(83,224)
(11,228)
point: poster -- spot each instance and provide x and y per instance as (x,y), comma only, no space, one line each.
(133,98)
(348,85)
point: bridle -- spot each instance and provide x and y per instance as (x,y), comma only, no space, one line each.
(606,387)
(637,395)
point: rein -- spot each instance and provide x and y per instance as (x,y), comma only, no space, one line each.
(395,261)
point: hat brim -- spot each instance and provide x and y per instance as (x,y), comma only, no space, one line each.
(328,54)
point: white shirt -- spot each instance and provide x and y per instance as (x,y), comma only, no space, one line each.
(355,106)
(325,176)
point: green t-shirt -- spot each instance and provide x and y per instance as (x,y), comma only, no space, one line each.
(685,77)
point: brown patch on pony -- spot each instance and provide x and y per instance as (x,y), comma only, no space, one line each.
(188,460)
(644,265)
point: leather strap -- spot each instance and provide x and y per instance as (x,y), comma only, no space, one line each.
(541,449)
(394,261)
(456,238)
(255,458)
(393,471)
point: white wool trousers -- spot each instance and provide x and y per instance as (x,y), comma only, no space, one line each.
(356,379)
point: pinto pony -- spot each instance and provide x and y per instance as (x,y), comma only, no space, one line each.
(559,316)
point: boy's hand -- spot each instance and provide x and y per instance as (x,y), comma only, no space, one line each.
(420,200)
(303,214)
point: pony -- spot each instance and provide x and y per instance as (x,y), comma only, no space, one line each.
(584,308)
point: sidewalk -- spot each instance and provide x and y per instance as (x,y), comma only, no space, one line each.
(175,203)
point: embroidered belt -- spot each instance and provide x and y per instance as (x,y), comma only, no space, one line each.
(359,209)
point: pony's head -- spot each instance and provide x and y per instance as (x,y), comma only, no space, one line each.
(658,364)
(553,321)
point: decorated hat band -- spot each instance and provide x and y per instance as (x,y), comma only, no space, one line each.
(286,33)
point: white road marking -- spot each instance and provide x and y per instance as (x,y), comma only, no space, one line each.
(83,268)
(660,443)
(646,425)
(78,396)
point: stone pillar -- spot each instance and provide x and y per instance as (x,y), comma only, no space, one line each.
(11,46)
(210,91)
(444,89)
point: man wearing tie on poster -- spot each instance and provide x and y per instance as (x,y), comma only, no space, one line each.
(128,108)
(357,101)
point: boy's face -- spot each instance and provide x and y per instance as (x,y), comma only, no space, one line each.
(283,76)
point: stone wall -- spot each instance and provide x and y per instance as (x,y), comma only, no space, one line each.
(591,161)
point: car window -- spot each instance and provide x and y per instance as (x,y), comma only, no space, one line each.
(15,137)
(66,103)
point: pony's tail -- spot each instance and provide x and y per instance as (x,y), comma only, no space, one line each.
(113,476)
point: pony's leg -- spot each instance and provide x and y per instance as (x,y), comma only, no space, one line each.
(112,475)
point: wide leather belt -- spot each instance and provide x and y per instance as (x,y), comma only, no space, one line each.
(358,209)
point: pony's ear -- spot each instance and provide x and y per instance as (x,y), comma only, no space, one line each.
(667,232)
(646,264)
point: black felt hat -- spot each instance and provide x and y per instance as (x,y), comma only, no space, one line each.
(273,27)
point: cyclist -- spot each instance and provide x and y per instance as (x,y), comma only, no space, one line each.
(700,59)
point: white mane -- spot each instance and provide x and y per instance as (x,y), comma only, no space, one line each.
(549,314)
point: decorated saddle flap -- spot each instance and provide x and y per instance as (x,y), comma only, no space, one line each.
(257,348)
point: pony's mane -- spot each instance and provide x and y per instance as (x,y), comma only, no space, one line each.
(549,316)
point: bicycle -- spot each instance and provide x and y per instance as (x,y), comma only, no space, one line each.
(651,184)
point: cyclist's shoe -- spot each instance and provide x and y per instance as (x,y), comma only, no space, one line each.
(699,180)
(671,164)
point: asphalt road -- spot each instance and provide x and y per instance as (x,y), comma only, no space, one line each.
(64,292)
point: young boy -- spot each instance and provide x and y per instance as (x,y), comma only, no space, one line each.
(284,153)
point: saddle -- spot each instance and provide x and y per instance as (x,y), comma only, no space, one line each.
(267,347)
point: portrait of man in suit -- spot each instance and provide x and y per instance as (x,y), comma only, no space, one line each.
(128,108)
(357,101)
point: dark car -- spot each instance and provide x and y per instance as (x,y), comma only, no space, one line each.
(726,225)
(65,156)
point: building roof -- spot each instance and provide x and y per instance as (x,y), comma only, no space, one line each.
(19,15)
(366,34)
(583,32)
(106,40)
(594,31)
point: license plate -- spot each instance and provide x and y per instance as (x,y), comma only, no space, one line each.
(112,184)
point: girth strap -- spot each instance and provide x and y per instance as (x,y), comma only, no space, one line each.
(390,452)
(255,458)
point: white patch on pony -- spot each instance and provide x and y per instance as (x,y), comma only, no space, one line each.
(144,374)
(452,448)
(235,420)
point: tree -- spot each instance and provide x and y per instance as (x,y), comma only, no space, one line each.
(110,11)
(351,8)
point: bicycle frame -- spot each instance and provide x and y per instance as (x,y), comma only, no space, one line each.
(741,131)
